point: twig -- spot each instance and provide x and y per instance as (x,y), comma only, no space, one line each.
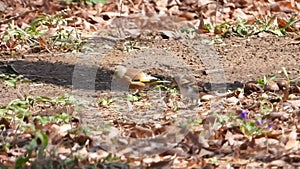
(16,17)
(217,7)
(120,7)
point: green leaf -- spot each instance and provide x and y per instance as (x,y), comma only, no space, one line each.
(279,32)
(11,83)
(32,145)
(43,120)
(21,161)
(44,139)
(285,72)
(131,97)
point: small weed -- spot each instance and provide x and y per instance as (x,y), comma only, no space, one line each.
(213,160)
(197,122)
(218,29)
(173,91)
(262,82)
(266,107)
(130,46)
(17,113)
(251,128)
(188,33)
(132,98)
(36,147)
(272,25)
(64,100)
(285,73)
(243,29)
(105,102)
(19,110)
(16,110)
(60,118)
(12,79)
(39,33)
(86,130)
(225,119)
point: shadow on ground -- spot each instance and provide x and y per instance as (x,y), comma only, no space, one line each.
(62,74)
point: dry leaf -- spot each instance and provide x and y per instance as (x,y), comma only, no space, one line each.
(292,143)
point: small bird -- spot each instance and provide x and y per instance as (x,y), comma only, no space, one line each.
(188,86)
(128,78)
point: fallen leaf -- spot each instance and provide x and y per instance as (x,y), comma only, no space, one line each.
(292,143)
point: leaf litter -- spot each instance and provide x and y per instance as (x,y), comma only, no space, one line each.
(256,127)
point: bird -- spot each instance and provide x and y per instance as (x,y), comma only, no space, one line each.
(187,86)
(130,78)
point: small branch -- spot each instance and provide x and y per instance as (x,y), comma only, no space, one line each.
(16,16)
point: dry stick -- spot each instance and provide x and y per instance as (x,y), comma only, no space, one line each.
(16,16)
(120,7)
(19,94)
(119,22)
(293,3)
(217,6)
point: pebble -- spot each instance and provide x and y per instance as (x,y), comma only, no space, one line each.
(232,100)
(282,84)
(271,86)
(251,86)
(207,97)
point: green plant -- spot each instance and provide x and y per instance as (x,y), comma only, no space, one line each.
(21,36)
(173,91)
(243,29)
(105,102)
(224,118)
(65,100)
(281,30)
(46,30)
(12,79)
(132,98)
(58,118)
(62,100)
(188,33)
(252,128)
(262,82)
(285,73)
(197,122)
(132,45)
(213,160)
(218,29)
(16,110)
(271,25)
(65,40)
(38,145)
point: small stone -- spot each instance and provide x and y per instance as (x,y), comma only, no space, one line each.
(265,96)
(271,86)
(283,84)
(251,87)
(207,97)
(232,100)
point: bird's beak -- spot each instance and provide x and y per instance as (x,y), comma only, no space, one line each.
(147,79)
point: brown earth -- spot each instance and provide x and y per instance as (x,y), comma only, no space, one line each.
(241,59)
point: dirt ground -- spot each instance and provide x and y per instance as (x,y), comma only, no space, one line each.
(240,59)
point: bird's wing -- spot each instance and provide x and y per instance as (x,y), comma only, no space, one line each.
(187,86)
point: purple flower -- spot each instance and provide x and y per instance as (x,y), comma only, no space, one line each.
(269,124)
(244,114)
(260,122)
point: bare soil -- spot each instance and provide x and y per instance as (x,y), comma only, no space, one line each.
(241,59)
